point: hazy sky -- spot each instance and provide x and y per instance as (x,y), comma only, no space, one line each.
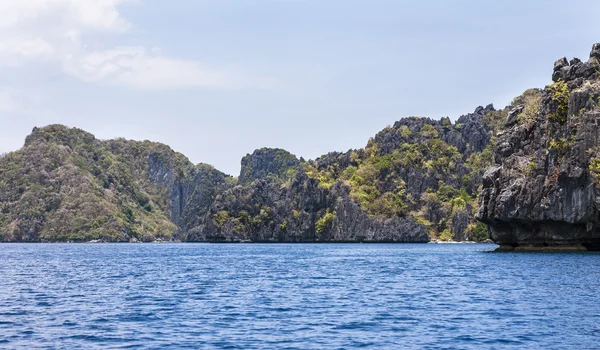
(217,79)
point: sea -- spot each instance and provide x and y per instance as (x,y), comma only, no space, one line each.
(296,296)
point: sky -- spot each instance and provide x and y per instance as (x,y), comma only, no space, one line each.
(216,79)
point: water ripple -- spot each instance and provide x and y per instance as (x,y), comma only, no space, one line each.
(295,296)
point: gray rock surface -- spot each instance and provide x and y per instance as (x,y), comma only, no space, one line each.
(272,209)
(543,190)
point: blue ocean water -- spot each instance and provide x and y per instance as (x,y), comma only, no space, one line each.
(295,296)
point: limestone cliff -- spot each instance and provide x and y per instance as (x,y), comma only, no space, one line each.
(415,180)
(543,191)
(276,201)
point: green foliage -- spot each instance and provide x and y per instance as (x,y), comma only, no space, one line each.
(244,217)
(324,223)
(532,165)
(478,231)
(326,179)
(446,193)
(429,131)
(349,172)
(283,226)
(560,94)
(404,131)
(383,163)
(446,235)
(221,217)
(364,194)
(559,145)
(531,102)
(494,120)
(377,179)
(65,185)
(389,204)
(594,169)
(355,157)
(296,214)
(480,160)
(458,203)
(265,216)
(269,162)
(291,173)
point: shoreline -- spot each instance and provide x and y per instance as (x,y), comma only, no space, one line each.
(249,242)
(435,241)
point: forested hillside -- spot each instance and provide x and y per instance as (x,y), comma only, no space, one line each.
(415,180)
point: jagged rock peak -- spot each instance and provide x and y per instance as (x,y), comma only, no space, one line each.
(544,191)
(575,72)
(58,133)
(267,161)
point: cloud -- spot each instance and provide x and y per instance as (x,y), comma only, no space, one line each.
(99,15)
(138,67)
(15,51)
(59,32)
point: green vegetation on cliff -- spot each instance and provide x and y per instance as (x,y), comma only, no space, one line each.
(65,185)
(417,176)
(426,169)
(542,191)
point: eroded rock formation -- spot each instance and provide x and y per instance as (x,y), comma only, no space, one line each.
(543,191)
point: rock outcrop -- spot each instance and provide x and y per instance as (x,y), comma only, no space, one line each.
(66,185)
(266,162)
(415,180)
(283,204)
(543,191)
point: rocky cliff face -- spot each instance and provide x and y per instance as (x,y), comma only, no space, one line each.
(543,191)
(64,184)
(276,201)
(429,170)
(415,180)
(267,162)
